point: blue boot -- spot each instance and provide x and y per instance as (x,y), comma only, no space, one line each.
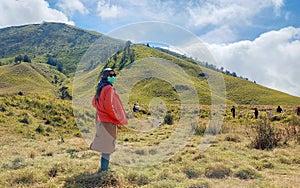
(104,162)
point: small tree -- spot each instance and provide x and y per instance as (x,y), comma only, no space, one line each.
(169,119)
(26,59)
(18,58)
(266,136)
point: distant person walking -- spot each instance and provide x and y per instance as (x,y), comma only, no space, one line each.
(233,111)
(279,109)
(256,113)
(110,113)
(298,110)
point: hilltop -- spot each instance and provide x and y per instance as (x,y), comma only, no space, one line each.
(57,44)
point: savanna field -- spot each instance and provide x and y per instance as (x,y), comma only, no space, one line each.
(41,147)
(43,135)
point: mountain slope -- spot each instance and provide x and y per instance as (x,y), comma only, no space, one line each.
(60,44)
(31,78)
(66,46)
(238,90)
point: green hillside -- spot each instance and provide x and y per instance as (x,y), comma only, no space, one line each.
(38,78)
(23,78)
(63,46)
(56,43)
(238,90)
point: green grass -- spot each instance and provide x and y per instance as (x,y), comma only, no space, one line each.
(54,156)
(22,77)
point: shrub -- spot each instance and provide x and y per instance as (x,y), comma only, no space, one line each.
(57,168)
(263,164)
(40,129)
(200,129)
(169,119)
(191,172)
(24,120)
(218,172)
(246,173)
(266,136)
(24,178)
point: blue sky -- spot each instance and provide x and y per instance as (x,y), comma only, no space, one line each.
(257,39)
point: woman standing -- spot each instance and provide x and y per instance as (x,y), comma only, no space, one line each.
(110,114)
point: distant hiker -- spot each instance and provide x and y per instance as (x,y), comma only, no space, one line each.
(110,113)
(233,111)
(279,109)
(298,110)
(136,107)
(256,112)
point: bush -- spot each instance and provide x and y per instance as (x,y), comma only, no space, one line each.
(191,172)
(25,121)
(246,173)
(169,119)
(200,129)
(57,168)
(266,136)
(263,164)
(218,172)
(40,129)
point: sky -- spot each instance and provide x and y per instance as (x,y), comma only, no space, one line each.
(257,39)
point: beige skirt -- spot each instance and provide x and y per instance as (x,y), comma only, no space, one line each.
(105,138)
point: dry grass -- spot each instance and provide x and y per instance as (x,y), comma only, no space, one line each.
(49,161)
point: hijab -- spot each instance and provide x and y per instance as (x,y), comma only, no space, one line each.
(103,82)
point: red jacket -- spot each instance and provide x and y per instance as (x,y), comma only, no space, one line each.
(109,107)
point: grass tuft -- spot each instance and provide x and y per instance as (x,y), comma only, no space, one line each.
(246,173)
(217,171)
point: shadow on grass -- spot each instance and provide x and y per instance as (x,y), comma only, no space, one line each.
(94,180)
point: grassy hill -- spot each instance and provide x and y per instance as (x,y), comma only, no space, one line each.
(238,90)
(24,78)
(61,44)
(64,46)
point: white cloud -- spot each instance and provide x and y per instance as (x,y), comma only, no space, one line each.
(70,7)
(19,12)
(277,6)
(107,10)
(222,34)
(229,12)
(224,18)
(272,59)
(208,17)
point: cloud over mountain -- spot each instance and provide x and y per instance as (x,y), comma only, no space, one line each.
(272,59)
(20,12)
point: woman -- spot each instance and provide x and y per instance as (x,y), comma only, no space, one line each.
(110,114)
